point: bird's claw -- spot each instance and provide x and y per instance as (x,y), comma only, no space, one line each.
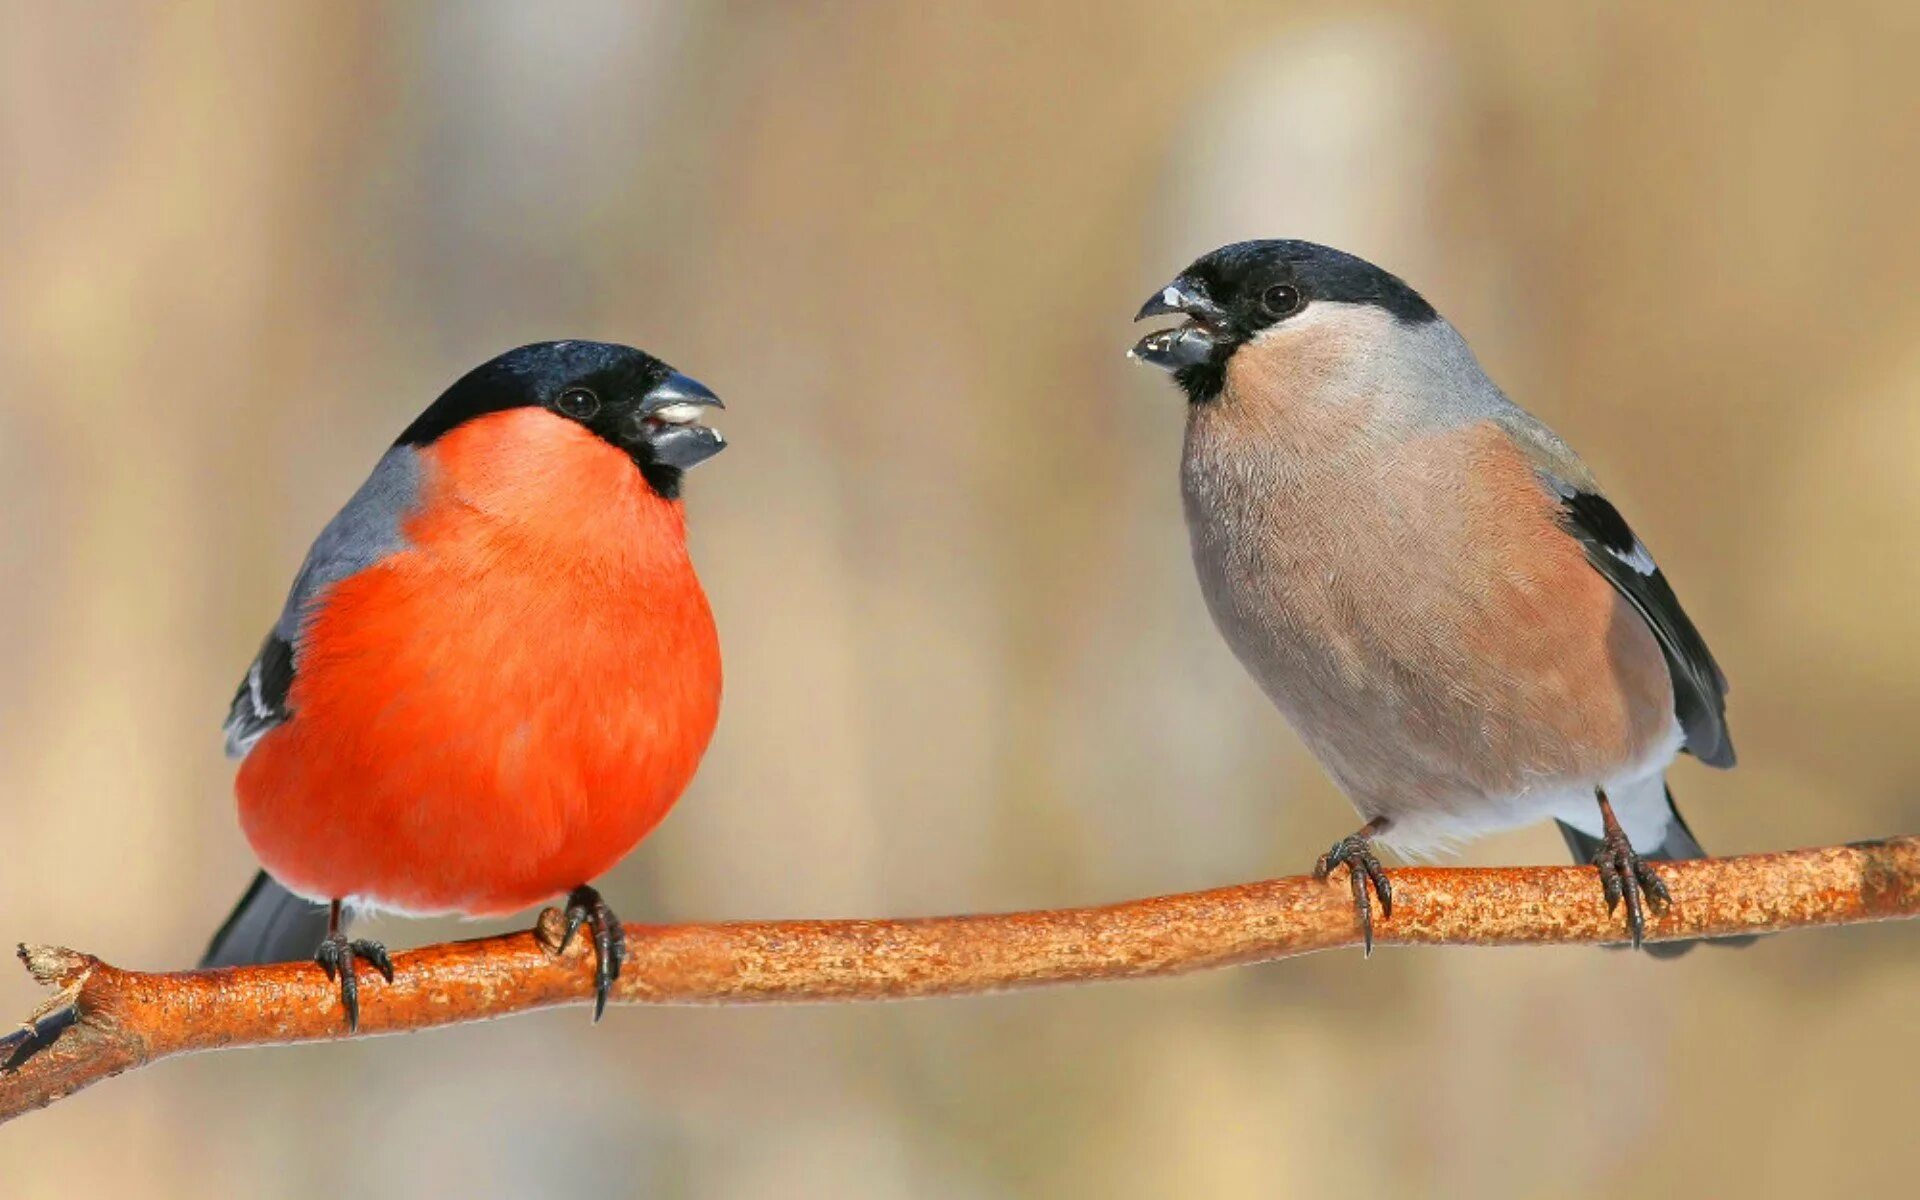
(1356,853)
(585,907)
(1624,875)
(336,957)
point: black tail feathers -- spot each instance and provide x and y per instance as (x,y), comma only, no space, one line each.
(1679,846)
(269,925)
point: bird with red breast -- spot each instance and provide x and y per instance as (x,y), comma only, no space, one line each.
(496,670)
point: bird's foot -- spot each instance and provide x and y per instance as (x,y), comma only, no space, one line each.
(336,957)
(585,907)
(1625,875)
(1356,852)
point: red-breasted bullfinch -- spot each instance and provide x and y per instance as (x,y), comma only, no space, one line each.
(1424,579)
(496,670)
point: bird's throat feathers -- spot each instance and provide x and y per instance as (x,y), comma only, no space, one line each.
(528,477)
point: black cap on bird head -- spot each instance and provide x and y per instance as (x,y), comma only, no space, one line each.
(1237,291)
(627,397)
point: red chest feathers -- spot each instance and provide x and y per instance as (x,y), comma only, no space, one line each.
(504,709)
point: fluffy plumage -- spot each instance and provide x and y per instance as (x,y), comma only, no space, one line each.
(506,706)
(1424,578)
(496,670)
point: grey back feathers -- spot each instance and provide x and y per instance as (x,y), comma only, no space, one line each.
(1430,379)
(362,533)
(1699,686)
(1460,392)
(366,530)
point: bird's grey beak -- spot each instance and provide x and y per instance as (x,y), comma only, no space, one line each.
(670,415)
(678,399)
(1184,345)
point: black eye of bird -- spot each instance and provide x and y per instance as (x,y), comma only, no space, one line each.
(579,403)
(1280,299)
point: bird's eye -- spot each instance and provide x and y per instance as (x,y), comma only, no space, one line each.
(578,403)
(1280,299)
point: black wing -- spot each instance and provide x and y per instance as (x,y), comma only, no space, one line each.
(1699,686)
(270,925)
(261,701)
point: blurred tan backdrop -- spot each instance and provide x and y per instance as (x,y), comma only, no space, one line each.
(967,665)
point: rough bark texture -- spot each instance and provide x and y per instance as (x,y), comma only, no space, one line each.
(104,1020)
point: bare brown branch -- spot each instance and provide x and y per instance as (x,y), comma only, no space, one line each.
(103,1020)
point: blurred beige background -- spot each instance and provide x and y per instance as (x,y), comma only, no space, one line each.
(968,667)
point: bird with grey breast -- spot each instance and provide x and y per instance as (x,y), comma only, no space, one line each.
(1426,581)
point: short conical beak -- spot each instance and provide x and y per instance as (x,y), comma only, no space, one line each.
(677,392)
(1185,345)
(671,412)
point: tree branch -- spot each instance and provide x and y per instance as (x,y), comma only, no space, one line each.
(104,1020)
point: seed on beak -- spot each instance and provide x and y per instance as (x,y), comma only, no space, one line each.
(677,414)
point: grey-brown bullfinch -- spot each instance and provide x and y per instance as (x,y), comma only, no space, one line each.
(1424,578)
